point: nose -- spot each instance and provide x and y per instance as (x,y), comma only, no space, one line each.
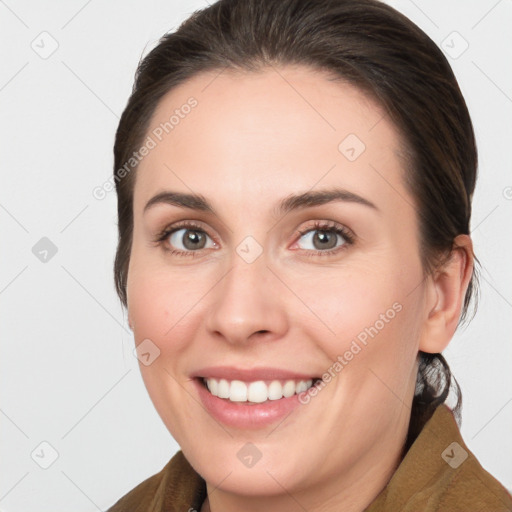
(247,304)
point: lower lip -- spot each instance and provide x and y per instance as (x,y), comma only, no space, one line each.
(244,414)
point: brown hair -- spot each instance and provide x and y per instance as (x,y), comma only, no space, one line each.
(369,45)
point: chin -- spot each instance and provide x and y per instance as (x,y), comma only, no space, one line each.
(255,481)
(230,467)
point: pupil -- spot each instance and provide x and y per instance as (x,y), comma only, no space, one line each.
(324,236)
(194,238)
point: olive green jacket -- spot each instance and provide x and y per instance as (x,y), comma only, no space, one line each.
(437,474)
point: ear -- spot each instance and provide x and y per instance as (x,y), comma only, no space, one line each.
(445,293)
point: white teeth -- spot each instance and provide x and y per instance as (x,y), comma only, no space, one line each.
(302,386)
(275,390)
(214,387)
(256,392)
(222,389)
(238,391)
(289,388)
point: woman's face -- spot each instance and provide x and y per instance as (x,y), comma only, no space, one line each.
(249,298)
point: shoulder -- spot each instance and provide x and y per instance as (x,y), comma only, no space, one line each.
(461,482)
(440,473)
(176,486)
(467,486)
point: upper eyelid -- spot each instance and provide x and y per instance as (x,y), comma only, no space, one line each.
(326,225)
(329,224)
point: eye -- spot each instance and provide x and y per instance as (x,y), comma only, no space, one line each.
(189,238)
(326,238)
(185,239)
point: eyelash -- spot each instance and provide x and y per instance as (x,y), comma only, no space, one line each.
(328,227)
(317,226)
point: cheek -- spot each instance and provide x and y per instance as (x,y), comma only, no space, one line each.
(160,302)
(366,313)
(161,309)
(346,301)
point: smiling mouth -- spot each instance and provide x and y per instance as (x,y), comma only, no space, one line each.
(255,392)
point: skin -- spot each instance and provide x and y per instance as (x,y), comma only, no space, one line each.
(253,139)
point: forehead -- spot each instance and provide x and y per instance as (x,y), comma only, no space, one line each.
(286,129)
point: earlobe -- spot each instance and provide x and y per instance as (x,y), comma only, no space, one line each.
(445,296)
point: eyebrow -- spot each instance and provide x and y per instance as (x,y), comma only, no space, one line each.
(292,202)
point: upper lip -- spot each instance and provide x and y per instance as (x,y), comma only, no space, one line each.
(250,375)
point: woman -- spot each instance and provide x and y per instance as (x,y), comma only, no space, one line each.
(294,183)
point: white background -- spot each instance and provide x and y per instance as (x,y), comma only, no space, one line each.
(68,374)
